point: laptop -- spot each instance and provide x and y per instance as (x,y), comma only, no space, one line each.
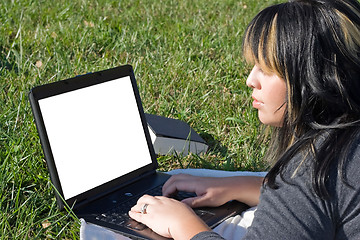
(98,150)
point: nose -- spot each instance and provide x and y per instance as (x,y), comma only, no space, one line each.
(251,81)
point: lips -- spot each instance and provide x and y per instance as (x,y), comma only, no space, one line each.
(256,103)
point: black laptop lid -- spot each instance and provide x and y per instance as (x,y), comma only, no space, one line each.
(93,132)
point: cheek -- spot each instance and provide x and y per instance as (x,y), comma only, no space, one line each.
(273,112)
(277,94)
(279,99)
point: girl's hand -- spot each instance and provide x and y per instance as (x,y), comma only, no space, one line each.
(168,217)
(213,191)
(208,190)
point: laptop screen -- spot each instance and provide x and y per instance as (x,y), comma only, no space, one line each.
(95,134)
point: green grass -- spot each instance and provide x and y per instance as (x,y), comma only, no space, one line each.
(188,63)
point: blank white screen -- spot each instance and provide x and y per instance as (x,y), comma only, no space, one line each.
(95,135)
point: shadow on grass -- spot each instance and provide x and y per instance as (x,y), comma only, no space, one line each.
(215,146)
(5,64)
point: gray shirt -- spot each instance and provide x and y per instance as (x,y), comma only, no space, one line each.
(293,211)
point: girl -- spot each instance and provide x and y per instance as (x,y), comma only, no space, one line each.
(306,85)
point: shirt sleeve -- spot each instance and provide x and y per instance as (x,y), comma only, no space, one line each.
(208,235)
(292,211)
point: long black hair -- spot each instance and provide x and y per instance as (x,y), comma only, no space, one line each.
(314,45)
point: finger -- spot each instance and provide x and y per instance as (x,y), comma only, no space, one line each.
(138,216)
(195,202)
(152,222)
(145,199)
(175,187)
(173,179)
(144,208)
(180,183)
(139,208)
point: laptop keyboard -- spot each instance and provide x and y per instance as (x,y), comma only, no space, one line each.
(118,215)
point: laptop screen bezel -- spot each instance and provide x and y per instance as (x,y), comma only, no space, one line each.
(75,83)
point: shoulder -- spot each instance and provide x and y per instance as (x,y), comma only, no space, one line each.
(344,189)
(344,165)
(342,175)
(351,165)
(294,211)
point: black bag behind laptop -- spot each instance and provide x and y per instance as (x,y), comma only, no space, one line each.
(98,149)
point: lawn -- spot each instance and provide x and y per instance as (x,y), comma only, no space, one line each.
(188,64)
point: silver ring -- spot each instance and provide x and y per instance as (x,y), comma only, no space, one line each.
(143,209)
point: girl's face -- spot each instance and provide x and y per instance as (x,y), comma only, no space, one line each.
(269,94)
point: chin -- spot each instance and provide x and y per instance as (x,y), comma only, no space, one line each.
(271,122)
